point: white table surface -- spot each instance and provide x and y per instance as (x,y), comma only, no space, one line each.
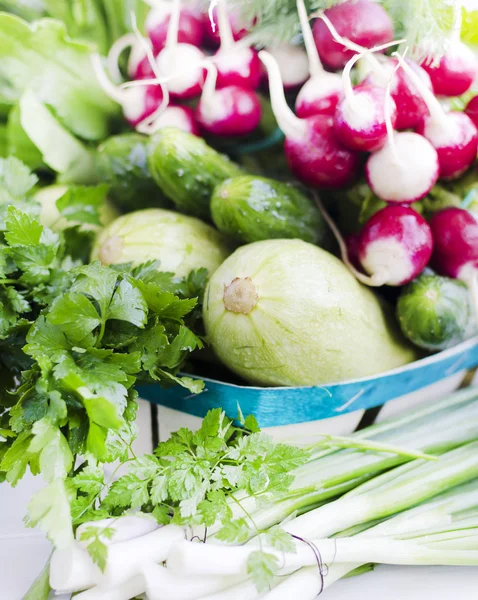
(23,554)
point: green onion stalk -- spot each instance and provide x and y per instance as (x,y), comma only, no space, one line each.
(434,429)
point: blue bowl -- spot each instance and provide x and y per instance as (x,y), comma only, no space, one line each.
(280,406)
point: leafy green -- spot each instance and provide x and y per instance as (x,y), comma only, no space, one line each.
(74,339)
(31,55)
(194,476)
(262,567)
(58,148)
(96,547)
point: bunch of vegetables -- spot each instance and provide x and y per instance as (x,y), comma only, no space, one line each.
(223,246)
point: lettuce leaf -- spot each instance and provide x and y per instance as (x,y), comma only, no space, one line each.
(40,57)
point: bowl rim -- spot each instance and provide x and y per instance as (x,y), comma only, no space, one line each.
(416,364)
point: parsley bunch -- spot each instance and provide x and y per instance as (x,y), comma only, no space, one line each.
(203,478)
(74,339)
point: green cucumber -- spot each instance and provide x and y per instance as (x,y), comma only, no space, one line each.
(187,169)
(122,163)
(435,312)
(249,209)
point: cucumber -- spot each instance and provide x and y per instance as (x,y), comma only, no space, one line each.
(187,169)
(122,162)
(435,312)
(249,209)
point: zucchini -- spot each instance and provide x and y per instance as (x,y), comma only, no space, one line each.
(122,163)
(249,208)
(435,312)
(187,169)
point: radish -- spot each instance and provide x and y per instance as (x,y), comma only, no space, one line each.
(313,152)
(138,103)
(455,231)
(181,64)
(471,110)
(453,135)
(362,21)
(190,26)
(181,117)
(227,112)
(293,65)
(456,71)
(411,107)
(212,32)
(321,93)
(404,170)
(395,245)
(360,121)
(236,64)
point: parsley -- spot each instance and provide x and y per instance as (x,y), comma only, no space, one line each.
(74,340)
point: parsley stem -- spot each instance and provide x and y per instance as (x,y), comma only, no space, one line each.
(101,333)
(6,281)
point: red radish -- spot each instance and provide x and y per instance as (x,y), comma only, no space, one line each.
(362,21)
(320,94)
(227,112)
(455,231)
(138,103)
(359,121)
(190,26)
(211,31)
(453,135)
(293,65)
(180,64)
(455,140)
(236,64)
(395,245)
(454,74)
(404,170)
(313,152)
(181,117)
(411,107)
(472,110)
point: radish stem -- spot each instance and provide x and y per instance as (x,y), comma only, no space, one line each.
(292,126)
(225,29)
(375,280)
(210,84)
(457,21)
(126,41)
(148,50)
(173,27)
(388,115)
(373,60)
(434,107)
(115,93)
(315,65)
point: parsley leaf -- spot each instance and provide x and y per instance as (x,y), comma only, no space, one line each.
(82,203)
(262,567)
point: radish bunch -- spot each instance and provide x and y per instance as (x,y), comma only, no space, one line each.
(168,72)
